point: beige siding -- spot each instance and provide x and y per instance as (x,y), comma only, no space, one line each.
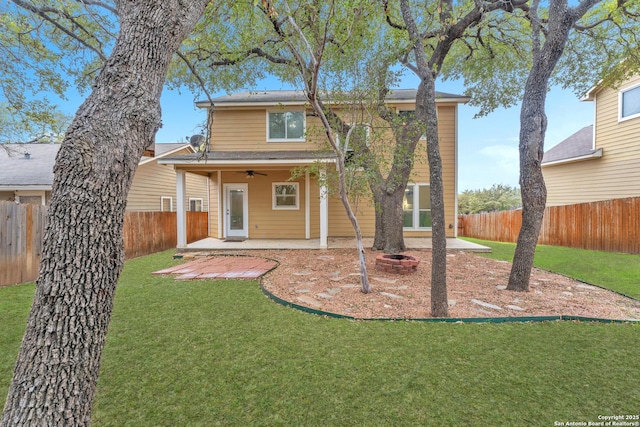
(215,201)
(153,181)
(616,174)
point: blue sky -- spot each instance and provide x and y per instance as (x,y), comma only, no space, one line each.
(488,146)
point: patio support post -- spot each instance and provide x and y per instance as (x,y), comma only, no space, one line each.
(307,208)
(181,217)
(324,210)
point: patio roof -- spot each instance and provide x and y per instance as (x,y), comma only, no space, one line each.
(250,157)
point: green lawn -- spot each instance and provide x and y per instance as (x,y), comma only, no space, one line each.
(618,272)
(220,353)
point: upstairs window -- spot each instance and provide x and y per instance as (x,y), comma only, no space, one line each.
(285,126)
(630,103)
(417,206)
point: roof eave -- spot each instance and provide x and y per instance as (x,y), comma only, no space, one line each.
(207,104)
(595,155)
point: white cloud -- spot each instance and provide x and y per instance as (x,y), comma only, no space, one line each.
(504,157)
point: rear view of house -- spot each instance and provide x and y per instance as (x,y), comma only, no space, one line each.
(258,138)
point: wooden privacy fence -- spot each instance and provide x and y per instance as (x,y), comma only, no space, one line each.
(22,228)
(609,225)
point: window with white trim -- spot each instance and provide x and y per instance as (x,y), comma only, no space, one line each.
(195,204)
(166,204)
(630,103)
(417,207)
(286,195)
(285,126)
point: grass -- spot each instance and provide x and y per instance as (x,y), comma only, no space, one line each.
(220,353)
(615,271)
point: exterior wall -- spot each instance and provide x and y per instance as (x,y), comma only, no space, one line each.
(7,196)
(244,129)
(616,174)
(153,181)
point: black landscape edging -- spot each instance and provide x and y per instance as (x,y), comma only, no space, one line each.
(309,310)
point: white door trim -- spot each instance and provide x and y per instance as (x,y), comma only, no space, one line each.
(244,232)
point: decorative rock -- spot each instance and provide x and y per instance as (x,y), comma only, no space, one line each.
(336,279)
(387,294)
(387,306)
(589,287)
(302,273)
(310,301)
(326,257)
(302,291)
(452,302)
(397,288)
(334,291)
(350,286)
(485,304)
(324,295)
(515,307)
(383,280)
(501,287)
(479,310)
(569,294)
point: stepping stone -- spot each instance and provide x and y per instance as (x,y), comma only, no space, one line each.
(569,294)
(383,280)
(302,291)
(387,294)
(326,257)
(310,301)
(517,300)
(387,306)
(501,287)
(485,304)
(302,273)
(336,279)
(515,307)
(354,274)
(452,302)
(333,291)
(350,286)
(589,287)
(324,295)
(334,274)
(398,288)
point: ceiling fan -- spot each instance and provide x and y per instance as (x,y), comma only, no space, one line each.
(251,173)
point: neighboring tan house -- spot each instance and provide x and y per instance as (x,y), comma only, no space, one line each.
(602,161)
(257,138)
(26,176)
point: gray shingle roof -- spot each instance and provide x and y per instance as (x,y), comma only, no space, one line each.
(16,171)
(19,171)
(295,96)
(577,145)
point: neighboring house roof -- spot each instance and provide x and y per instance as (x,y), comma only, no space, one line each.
(164,150)
(33,172)
(577,147)
(295,97)
(244,157)
(17,172)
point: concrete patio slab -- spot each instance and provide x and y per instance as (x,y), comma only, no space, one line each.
(211,243)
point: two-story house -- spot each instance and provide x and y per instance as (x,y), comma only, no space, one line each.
(602,161)
(258,138)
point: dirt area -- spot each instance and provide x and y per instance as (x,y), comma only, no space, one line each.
(329,281)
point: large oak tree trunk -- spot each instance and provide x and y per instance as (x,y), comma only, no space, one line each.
(59,360)
(389,212)
(426,111)
(533,125)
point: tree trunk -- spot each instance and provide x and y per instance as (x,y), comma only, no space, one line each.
(57,368)
(389,212)
(533,125)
